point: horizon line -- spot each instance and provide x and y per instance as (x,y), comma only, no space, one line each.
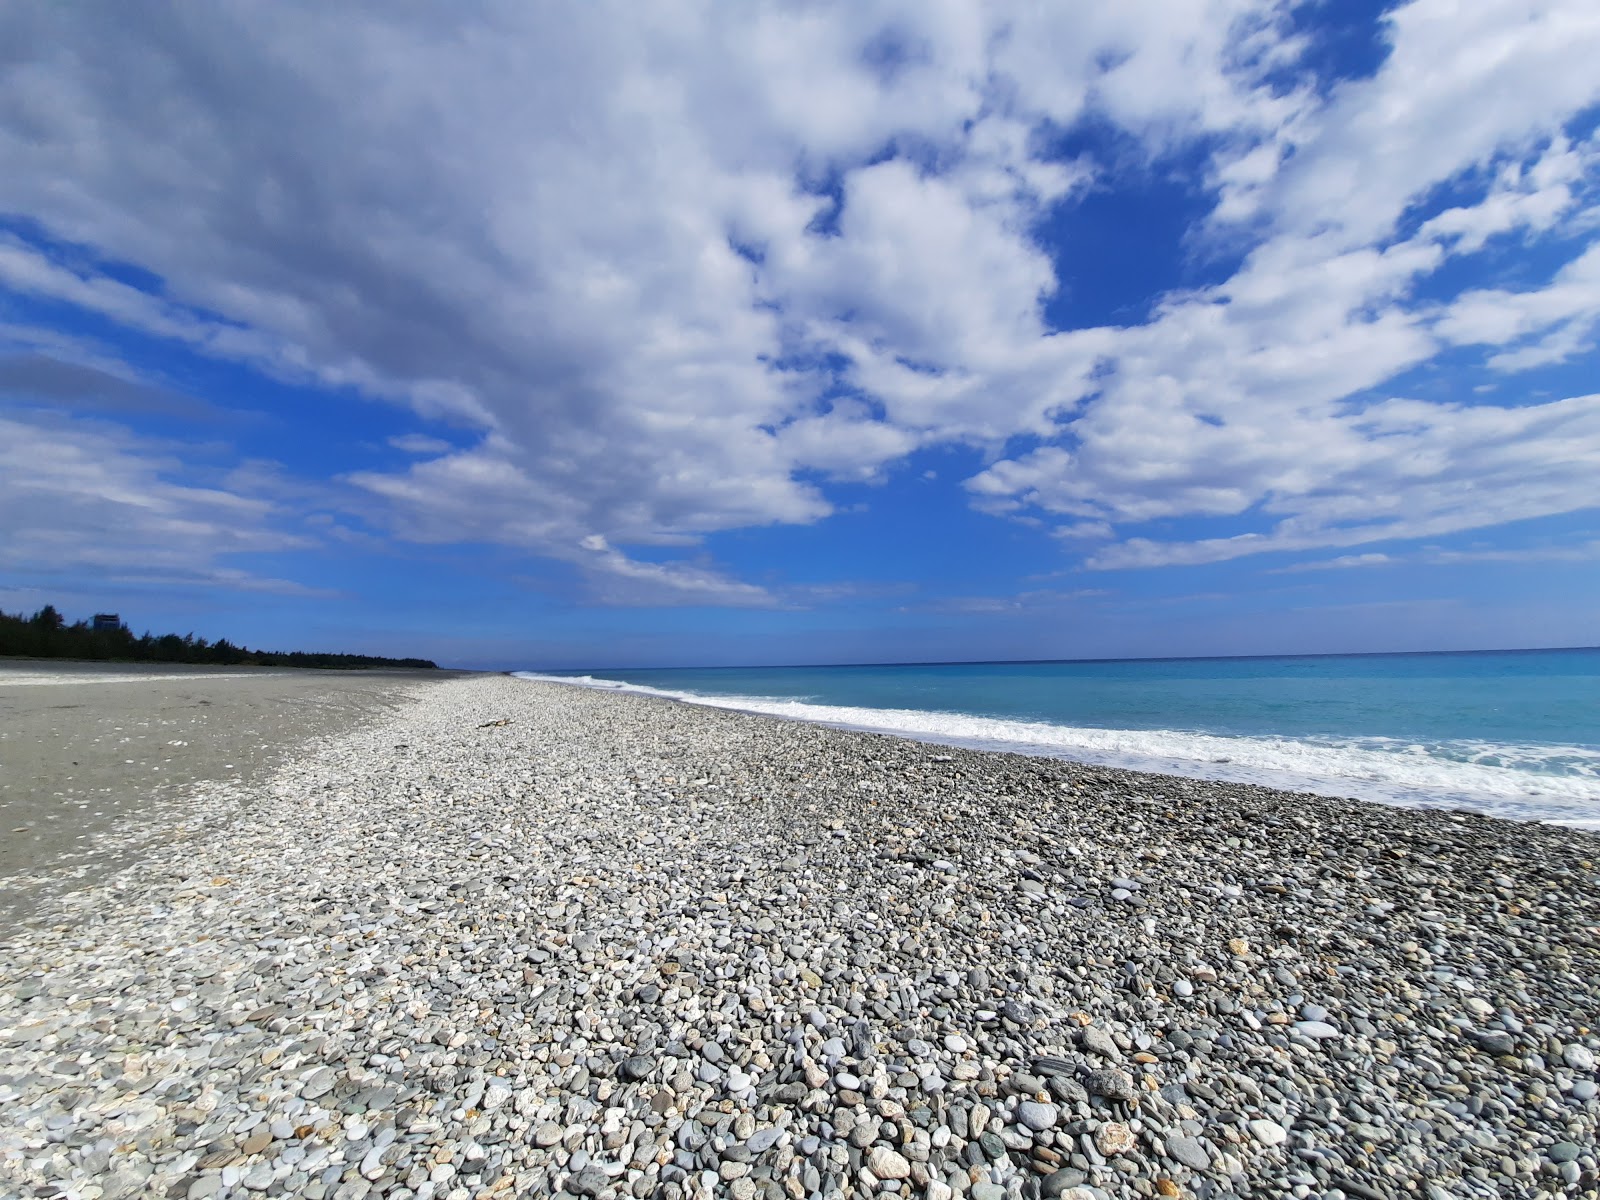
(1025,662)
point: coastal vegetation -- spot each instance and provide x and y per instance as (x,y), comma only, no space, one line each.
(46,634)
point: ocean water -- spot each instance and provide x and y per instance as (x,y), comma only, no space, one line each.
(1512,733)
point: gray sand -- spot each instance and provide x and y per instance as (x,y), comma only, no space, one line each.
(93,756)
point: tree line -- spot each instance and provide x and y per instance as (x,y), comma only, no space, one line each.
(46,634)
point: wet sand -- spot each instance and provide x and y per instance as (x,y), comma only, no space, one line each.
(95,757)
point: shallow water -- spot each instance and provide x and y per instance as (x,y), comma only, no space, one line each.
(1512,733)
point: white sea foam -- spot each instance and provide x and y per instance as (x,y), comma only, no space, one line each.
(1560,784)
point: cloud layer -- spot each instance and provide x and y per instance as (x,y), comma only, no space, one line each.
(667,272)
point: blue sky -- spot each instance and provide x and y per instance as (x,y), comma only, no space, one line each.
(736,333)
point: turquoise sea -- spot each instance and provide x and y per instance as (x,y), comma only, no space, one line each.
(1512,733)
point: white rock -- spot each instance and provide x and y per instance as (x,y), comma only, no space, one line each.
(887,1164)
(1316,1029)
(1268,1133)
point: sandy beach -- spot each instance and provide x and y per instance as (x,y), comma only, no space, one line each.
(487,937)
(96,758)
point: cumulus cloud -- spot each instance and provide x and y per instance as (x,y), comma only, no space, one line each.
(678,270)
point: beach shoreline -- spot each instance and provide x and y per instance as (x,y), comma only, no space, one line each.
(1523,769)
(97,757)
(505,937)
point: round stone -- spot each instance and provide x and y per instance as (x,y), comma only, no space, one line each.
(1579,1058)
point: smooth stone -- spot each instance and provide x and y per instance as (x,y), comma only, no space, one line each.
(1191,1152)
(1058,1183)
(763,1140)
(1579,1058)
(635,1069)
(258,1178)
(1268,1133)
(319,1083)
(1036,1116)
(1316,1029)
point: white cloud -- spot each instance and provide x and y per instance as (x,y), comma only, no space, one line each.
(86,496)
(1032,601)
(1565,312)
(1582,552)
(1532,196)
(1343,562)
(666,267)
(420,443)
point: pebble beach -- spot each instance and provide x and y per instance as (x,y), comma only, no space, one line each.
(503,938)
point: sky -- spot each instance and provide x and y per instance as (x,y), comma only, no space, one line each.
(604,334)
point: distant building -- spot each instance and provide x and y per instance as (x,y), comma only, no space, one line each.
(112,621)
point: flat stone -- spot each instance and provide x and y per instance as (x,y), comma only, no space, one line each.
(1058,1183)
(1036,1116)
(1268,1133)
(1098,1041)
(1191,1152)
(319,1083)
(763,1140)
(258,1178)
(1319,1030)
(1496,1042)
